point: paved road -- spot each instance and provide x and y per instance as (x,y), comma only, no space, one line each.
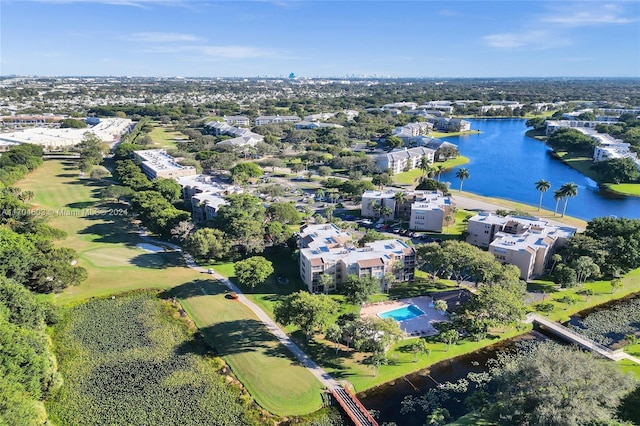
(324,377)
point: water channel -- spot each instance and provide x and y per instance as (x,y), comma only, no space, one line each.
(504,163)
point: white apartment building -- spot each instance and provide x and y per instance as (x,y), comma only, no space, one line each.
(205,195)
(412,129)
(527,243)
(157,163)
(325,249)
(400,160)
(237,120)
(425,210)
(276,119)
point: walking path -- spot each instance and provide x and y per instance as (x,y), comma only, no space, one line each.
(324,377)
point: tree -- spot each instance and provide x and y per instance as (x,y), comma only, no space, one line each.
(377,360)
(182,230)
(91,149)
(328,212)
(585,268)
(440,305)
(616,283)
(568,190)
(449,337)
(499,303)
(439,169)
(393,142)
(284,213)
(448,219)
(381,180)
(333,334)
(425,166)
(542,186)
(462,174)
(253,271)
(244,171)
(326,281)
(168,188)
(439,416)
(358,289)
(309,312)
(207,243)
(549,384)
(420,347)
(557,196)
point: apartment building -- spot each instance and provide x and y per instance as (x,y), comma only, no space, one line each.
(425,210)
(205,195)
(325,249)
(527,243)
(276,119)
(157,163)
(237,120)
(400,160)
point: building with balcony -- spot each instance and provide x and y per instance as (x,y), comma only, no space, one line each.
(325,249)
(525,242)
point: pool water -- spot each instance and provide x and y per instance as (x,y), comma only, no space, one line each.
(403,313)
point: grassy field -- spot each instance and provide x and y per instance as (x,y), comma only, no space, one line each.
(107,248)
(601,293)
(632,189)
(164,136)
(267,369)
(412,176)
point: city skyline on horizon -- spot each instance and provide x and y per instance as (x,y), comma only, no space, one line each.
(317,39)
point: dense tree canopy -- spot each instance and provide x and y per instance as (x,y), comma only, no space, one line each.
(312,313)
(554,385)
(253,270)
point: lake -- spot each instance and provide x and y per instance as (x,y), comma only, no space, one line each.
(504,163)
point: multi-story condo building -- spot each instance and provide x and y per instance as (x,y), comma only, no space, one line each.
(401,160)
(237,120)
(325,249)
(425,210)
(205,195)
(276,119)
(157,163)
(527,243)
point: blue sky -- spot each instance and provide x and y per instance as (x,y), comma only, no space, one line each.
(320,38)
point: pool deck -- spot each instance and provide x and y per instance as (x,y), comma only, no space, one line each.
(418,326)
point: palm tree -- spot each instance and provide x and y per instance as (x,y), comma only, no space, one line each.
(320,193)
(568,190)
(557,195)
(542,186)
(400,197)
(462,174)
(439,170)
(424,165)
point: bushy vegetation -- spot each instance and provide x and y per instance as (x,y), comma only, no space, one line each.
(18,161)
(611,325)
(27,366)
(128,360)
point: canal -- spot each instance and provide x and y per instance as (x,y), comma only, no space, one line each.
(504,163)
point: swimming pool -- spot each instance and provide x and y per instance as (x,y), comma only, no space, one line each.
(403,313)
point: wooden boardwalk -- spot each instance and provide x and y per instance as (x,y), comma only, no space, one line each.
(582,341)
(353,407)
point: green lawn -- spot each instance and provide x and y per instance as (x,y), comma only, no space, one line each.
(107,248)
(601,293)
(632,189)
(164,136)
(412,176)
(268,370)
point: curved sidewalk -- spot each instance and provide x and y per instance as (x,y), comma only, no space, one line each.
(324,377)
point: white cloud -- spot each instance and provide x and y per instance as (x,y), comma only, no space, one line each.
(534,39)
(594,14)
(160,37)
